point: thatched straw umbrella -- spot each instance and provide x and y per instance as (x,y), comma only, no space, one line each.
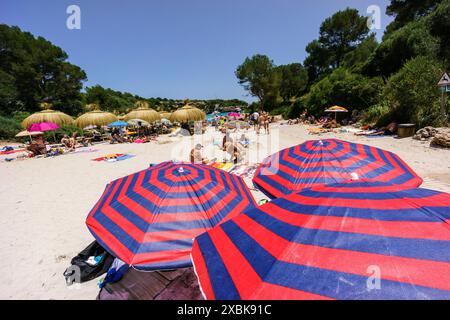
(165,114)
(187,113)
(47,115)
(143,112)
(95,117)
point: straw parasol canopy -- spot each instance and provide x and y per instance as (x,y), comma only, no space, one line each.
(143,112)
(28,133)
(165,114)
(187,113)
(95,117)
(336,110)
(47,115)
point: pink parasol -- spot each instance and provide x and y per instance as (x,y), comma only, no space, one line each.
(234,115)
(43,126)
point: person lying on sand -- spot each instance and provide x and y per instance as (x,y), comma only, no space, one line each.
(66,141)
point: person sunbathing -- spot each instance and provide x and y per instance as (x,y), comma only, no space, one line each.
(233,150)
(37,146)
(196,155)
(73,141)
(66,141)
(227,138)
(244,141)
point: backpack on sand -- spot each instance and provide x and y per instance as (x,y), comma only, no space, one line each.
(89,264)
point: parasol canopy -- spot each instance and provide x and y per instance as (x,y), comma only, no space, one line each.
(237,123)
(138,122)
(165,114)
(26,133)
(319,162)
(344,241)
(143,112)
(90,127)
(43,127)
(47,115)
(118,124)
(149,219)
(187,113)
(95,117)
(235,115)
(336,109)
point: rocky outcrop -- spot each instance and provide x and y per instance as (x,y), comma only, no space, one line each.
(425,133)
(442,139)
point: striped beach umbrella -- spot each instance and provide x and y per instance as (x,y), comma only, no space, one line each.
(345,241)
(320,162)
(149,219)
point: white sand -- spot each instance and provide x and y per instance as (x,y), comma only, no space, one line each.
(44,202)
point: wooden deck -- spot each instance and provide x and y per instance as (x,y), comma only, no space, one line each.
(180,284)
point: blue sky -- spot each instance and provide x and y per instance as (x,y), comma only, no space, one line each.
(177,48)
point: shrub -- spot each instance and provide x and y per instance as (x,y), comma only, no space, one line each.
(65,129)
(378,114)
(412,93)
(9,128)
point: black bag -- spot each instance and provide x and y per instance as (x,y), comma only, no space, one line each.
(80,271)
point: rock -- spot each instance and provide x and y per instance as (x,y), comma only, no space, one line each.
(442,139)
(425,133)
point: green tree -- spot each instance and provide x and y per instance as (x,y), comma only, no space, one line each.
(342,87)
(356,60)
(406,11)
(439,24)
(259,77)
(35,70)
(339,34)
(412,93)
(294,80)
(408,42)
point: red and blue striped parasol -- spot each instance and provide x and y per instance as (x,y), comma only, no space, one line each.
(345,241)
(149,219)
(321,162)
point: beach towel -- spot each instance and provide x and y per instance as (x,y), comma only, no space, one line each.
(85,150)
(10,151)
(114,157)
(244,171)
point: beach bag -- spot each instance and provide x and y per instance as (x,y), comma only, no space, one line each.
(89,264)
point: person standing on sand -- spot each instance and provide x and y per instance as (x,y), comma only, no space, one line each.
(266,122)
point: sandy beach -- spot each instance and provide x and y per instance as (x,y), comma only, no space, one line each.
(44,202)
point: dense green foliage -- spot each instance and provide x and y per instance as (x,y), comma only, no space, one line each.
(339,35)
(33,70)
(63,130)
(395,80)
(8,128)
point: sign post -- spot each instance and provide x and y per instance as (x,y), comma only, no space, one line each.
(444,84)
